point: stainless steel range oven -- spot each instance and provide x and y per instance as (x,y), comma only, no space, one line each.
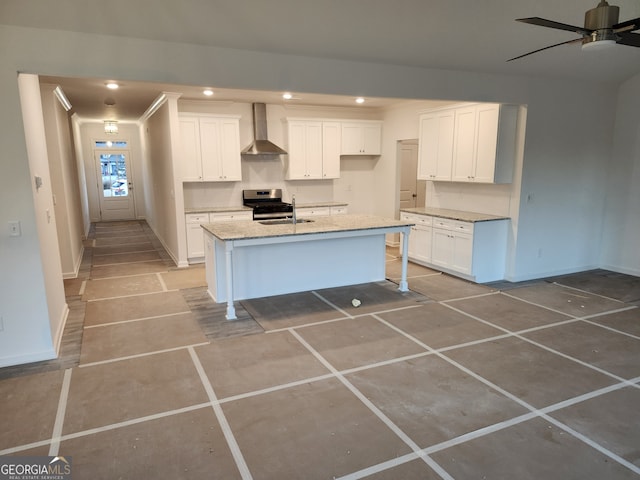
(267,204)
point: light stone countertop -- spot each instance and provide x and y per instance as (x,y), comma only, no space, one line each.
(454,214)
(247,229)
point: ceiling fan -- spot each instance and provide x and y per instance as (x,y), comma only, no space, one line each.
(601,28)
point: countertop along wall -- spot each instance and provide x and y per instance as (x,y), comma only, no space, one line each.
(567,150)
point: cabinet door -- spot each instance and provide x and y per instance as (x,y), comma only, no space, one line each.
(420,243)
(210,140)
(331,134)
(195,240)
(296,151)
(441,247)
(230,150)
(190,163)
(464,144)
(313,149)
(371,139)
(486,143)
(435,150)
(462,253)
(351,139)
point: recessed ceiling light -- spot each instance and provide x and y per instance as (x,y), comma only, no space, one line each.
(287,96)
(208,92)
(359,100)
(113,86)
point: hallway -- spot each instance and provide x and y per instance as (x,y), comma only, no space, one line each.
(452,380)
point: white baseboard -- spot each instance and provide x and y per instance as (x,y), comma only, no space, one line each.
(76,268)
(627,271)
(57,335)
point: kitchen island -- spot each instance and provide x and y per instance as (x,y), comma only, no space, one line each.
(250,259)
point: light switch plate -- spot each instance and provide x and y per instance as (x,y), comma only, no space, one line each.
(14,229)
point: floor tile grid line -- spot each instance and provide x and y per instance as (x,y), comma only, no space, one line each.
(332,305)
(54,446)
(131,295)
(544,347)
(421,276)
(121,253)
(375,410)
(339,319)
(531,408)
(116,264)
(140,355)
(119,277)
(83,287)
(611,329)
(96,243)
(133,320)
(241,464)
(380,467)
(546,307)
(162,283)
(104,428)
(587,292)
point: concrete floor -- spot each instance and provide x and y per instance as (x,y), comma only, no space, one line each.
(452,380)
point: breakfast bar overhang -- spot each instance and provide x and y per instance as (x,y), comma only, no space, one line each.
(250,259)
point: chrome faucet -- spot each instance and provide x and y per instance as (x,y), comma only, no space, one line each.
(293,205)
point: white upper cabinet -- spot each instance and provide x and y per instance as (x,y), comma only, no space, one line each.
(435,150)
(313,149)
(210,149)
(361,138)
(474,143)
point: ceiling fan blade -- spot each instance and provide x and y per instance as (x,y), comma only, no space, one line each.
(628,38)
(628,26)
(575,40)
(551,24)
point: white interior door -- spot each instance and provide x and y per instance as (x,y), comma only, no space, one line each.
(116,189)
(412,190)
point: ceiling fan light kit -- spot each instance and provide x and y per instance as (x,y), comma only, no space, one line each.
(601,29)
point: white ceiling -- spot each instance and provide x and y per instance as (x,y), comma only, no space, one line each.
(464,35)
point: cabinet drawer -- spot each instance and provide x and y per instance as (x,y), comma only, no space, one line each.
(338,210)
(197,218)
(453,225)
(230,216)
(425,220)
(311,211)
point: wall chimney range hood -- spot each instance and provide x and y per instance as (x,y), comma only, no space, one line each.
(261,145)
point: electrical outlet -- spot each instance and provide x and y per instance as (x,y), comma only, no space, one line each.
(14,229)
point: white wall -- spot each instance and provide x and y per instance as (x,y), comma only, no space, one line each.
(621,229)
(567,150)
(64,182)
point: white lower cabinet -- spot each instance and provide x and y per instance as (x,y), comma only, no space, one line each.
(195,234)
(420,237)
(472,250)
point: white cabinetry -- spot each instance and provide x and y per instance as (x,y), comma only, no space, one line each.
(435,150)
(477,142)
(195,234)
(210,149)
(361,138)
(452,245)
(472,250)
(312,211)
(339,210)
(313,148)
(420,237)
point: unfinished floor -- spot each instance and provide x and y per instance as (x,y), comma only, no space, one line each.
(452,380)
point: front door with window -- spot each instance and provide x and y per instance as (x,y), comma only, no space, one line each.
(116,188)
